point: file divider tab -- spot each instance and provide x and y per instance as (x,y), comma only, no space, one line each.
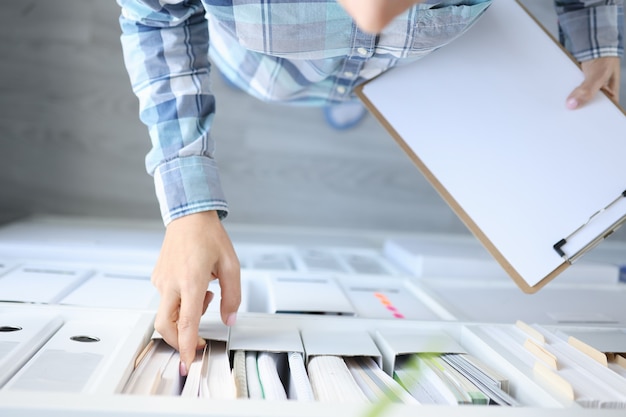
(605,340)
(534,333)
(339,343)
(213,329)
(265,339)
(394,343)
(541,353)
(590,351)
(555,381)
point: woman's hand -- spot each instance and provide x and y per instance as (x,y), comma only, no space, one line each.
(600,74)
(196,250)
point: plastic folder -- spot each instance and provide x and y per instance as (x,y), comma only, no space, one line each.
(484,119)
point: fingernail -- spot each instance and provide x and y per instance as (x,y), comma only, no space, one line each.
(572,103)
(231,320)
(182,368)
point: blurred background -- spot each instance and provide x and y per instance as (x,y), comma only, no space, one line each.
(71,142)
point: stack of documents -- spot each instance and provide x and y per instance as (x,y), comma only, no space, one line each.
(332,381)
(239,374)
(210,374)
(430,381)
(376,384)
(420,378)
(565,365)
(255,375)
(276,376)
(299,384)
(489,381)
(157,371)
(451,379)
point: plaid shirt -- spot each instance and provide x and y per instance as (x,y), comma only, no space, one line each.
(300,52)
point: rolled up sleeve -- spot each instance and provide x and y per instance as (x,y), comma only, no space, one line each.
(165,46)
(591,29)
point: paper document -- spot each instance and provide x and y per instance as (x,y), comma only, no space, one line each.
(484,119)
(332,381)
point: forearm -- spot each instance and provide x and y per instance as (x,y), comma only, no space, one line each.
(591,29)
(166,55)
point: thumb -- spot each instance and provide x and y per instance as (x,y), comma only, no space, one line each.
(600,74)
(230,285)
(582,94)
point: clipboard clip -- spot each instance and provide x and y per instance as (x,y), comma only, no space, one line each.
(558,246)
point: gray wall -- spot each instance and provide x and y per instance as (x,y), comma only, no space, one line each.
(71,142)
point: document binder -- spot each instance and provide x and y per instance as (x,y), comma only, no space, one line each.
(39,283)
(70,359)
(484,120)
(115,290)
(313,294)
(21,335)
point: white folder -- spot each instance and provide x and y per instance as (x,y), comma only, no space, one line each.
(307,294)
(76,359)
(21,335)
(40,283)
(115,290)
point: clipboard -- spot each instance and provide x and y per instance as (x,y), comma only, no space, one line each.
(484,120)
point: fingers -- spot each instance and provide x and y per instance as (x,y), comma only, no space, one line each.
(600,74)
(208,297)
(188,323)
(614,84)
(230,284)
(167,317)
(195,247)
(585,91)
(179,328)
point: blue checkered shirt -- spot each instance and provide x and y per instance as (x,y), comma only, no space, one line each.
(299,52)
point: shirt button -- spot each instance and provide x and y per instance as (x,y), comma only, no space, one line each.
(341,89)
(348,74)
(362,51)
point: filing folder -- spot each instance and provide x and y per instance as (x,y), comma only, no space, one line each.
(40,283)
(84,356)
(484,119)
(21,335)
